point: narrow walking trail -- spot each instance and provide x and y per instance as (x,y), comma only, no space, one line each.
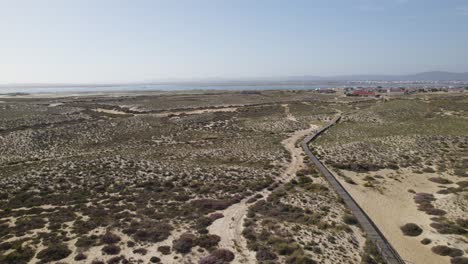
(289,116)
(230,227)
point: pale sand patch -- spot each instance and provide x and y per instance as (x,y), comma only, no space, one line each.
(196,112)
(55,104)
(230,227)
(109,111)
(289,116)
(395,207)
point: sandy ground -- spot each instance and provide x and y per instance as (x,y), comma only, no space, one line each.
(230,227)
(394,206)
(196,112)
(166,114)
(109,111)
(289,116)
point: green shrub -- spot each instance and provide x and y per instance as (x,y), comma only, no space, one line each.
(155,259)
(80,256)
(411,229)
(208,241)
(185,243)
(426,241)
(54,252)
(111,249)
(20,256)
(223,255)
(447,251)
(165,250)
(350,219)
(110,238)
(459,260)
(285,248)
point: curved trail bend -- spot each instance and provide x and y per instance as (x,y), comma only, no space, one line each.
(230,227)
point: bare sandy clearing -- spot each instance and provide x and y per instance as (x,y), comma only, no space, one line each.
(196,112)
(289,116)
(395,207)
(109,111)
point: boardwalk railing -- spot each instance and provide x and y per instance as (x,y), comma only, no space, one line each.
(389,254)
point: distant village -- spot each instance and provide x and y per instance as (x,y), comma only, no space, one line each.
(382,91)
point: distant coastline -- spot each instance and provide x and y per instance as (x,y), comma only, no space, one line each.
(88,88)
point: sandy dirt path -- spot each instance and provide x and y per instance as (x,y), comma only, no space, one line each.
(289,116)
(174,113)
(196,112)
(230,227)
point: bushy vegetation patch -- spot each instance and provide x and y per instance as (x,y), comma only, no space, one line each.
(208,241)
(459,260)
(110,238)
(447,251)
(165,250)
(54,252)
(371,254)
(444,226)
(411,229)
(350,219)
(184,243)
(111,249)
(440,180)
(424,201)
(21,255)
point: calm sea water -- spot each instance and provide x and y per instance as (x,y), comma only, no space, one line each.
(119,88)
(154,87)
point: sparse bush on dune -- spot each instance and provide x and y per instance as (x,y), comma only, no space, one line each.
(428,170)
(459,260)
(215,216)
(411,229)
(426,241)
(210,259)
(440,180)
(424,201)
(80,256)
(371,254)
(110,238)
(155,259)
(111,249)
(211,204)
(445,227)
(223,255)
(148,231)
(447,251)
(21,255)
(165,250)
(184,243)
(285,249)
(299,258)
(141,251)
(87,241)
(265,255)
(116,260)
(54,252)
(208,241)
(463,222)
(350,219)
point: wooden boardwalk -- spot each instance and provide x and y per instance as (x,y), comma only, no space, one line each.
(388,253)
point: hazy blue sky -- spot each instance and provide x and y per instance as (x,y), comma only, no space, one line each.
(112,40)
